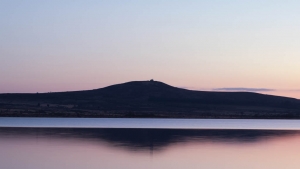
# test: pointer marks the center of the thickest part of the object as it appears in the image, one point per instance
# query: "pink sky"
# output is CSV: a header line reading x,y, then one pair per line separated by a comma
x,y
66,45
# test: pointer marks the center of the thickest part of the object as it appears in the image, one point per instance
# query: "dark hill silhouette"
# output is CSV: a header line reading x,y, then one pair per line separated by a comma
x,y
153,98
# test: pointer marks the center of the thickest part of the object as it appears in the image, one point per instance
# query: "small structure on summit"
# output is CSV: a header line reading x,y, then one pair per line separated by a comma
x,y
151,80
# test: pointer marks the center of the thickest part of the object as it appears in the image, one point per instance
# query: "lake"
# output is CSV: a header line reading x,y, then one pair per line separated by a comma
x,y
62,143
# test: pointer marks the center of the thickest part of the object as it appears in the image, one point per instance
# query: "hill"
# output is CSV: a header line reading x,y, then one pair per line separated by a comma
x,y
149,99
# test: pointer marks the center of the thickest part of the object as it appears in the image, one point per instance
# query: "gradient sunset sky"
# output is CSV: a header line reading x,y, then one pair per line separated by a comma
x,y
66,45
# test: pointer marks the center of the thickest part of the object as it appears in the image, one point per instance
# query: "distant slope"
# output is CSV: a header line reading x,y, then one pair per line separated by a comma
x,y
153,96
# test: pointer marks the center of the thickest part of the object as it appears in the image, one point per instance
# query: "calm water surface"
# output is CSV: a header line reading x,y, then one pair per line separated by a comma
x,y
151,123
113,147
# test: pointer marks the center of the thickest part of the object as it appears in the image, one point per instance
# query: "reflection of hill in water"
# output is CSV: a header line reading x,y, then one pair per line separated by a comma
x,y
144,139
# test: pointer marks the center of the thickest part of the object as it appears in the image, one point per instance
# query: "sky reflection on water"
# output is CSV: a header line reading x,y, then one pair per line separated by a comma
x,y
37,148
151,123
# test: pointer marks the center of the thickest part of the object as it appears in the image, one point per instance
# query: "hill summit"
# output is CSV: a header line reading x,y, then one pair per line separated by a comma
x,y
149,99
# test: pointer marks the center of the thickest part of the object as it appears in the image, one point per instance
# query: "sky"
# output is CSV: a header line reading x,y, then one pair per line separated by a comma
x,y
232,45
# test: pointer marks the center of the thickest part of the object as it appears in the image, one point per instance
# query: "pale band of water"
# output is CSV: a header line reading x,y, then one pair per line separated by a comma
x,y
150,123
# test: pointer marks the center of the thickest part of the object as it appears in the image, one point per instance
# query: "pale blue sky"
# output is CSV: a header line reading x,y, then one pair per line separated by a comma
x,y
63,45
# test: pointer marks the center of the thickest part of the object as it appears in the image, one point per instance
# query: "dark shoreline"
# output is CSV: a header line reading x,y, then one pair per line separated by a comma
x,y
219,115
